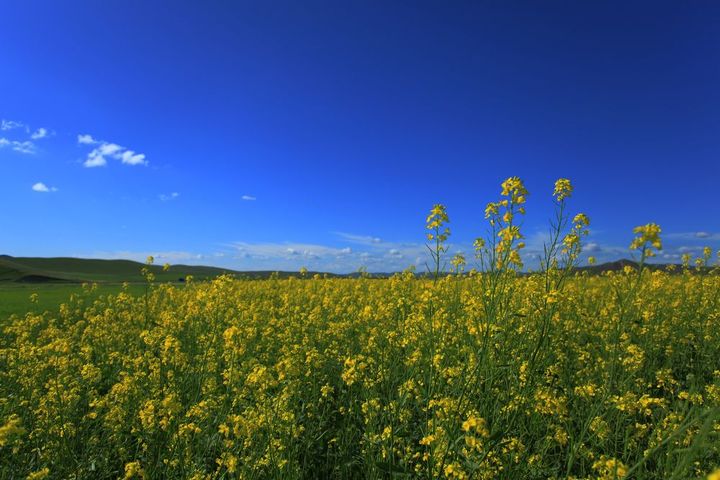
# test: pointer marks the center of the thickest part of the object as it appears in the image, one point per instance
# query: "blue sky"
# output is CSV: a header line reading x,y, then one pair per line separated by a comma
x,y
275,135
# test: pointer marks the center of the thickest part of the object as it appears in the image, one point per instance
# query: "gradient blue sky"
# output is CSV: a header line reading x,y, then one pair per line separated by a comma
x,y
272,135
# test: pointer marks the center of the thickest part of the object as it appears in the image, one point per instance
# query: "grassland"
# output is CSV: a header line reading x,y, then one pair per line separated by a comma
x,y
54,280
19,299
35,284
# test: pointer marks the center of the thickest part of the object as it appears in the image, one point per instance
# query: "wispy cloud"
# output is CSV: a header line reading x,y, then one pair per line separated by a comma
x,y
376,257
593,247
11,125
168,197
130,157
161,257
689,249
40,133
42,188
689,236
288,250
104,150
20,146
86,139
95,161
359,239
249,198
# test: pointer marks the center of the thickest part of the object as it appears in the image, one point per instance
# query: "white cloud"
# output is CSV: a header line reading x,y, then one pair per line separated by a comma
x,y
289,256
21,146
166,198
86,139
248,198
11,125
131,158
592,247
104,150
94,160
692,236
359,239
109,149
268,251
42,188
172,257
40,133
26,146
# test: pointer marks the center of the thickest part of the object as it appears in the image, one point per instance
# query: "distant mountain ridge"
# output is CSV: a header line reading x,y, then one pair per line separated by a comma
x,y
81,270
619,265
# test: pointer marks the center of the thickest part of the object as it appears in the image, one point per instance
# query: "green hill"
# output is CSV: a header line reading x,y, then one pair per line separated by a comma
x,y
78,270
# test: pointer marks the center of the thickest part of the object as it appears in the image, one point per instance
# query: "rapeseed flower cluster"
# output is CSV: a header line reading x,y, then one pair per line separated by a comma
x,y
647,239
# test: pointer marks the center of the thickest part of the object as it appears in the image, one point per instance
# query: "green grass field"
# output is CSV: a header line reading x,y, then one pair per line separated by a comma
x,y
54,280
15,298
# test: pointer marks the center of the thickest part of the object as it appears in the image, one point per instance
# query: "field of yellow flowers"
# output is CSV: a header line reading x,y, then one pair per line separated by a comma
x,y
480,374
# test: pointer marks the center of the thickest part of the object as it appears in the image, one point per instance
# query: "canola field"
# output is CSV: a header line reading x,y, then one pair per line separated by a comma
x,y
484,373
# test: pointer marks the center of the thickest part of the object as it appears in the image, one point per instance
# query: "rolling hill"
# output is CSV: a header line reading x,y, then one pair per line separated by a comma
x,y
79,270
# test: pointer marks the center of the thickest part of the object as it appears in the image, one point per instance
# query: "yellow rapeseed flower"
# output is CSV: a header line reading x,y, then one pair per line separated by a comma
x,y
39,475
134,470
563,189
647,234
11,430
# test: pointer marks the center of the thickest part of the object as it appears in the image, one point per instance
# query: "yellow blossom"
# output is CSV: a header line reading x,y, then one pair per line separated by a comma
x,y
563,189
